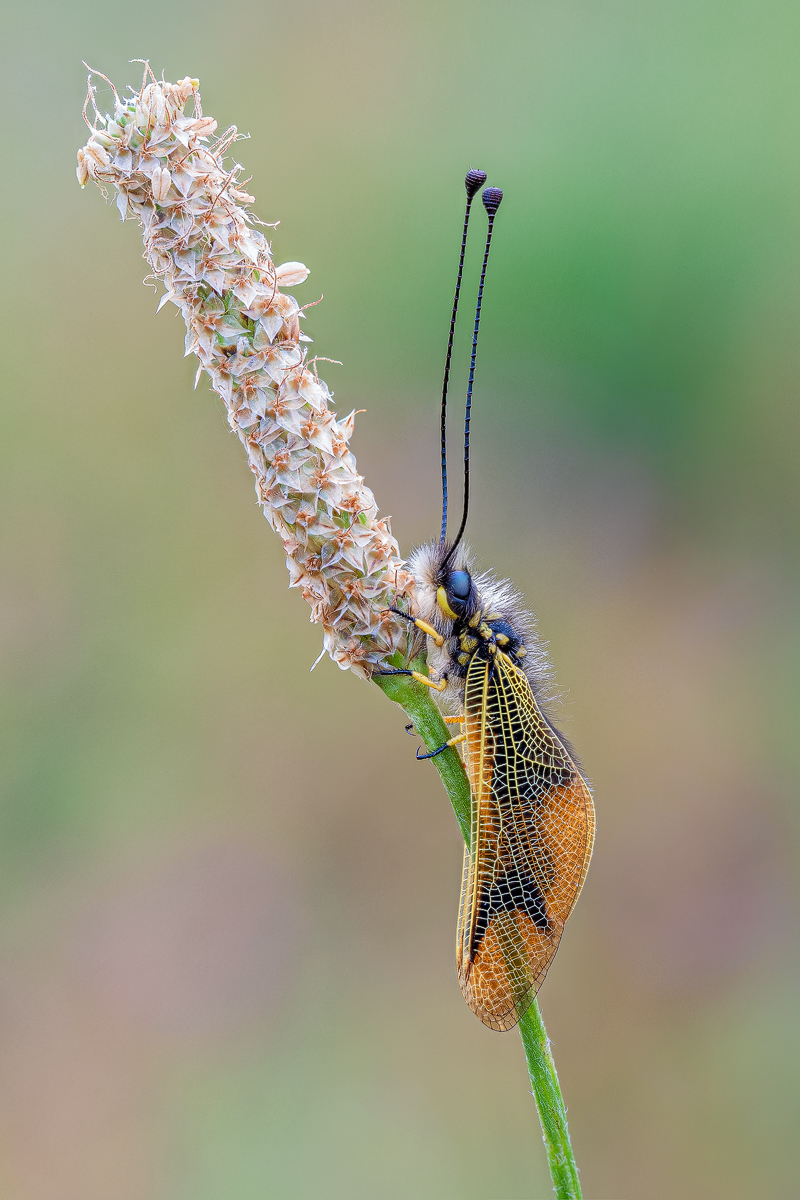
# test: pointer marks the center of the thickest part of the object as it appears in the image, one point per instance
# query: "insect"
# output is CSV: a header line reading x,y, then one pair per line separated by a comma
x,y
532,816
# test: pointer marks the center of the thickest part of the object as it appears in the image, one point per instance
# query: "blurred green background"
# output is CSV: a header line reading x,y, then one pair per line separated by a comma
x,y
227,891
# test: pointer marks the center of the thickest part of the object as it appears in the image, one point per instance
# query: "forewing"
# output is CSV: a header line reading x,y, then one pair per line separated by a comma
x,y
531,841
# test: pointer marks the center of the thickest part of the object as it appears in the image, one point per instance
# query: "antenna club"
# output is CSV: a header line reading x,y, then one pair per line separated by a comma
x,y
491,199
474,180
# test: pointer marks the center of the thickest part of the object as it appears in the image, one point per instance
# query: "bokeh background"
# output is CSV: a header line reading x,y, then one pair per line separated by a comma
x,y
227,890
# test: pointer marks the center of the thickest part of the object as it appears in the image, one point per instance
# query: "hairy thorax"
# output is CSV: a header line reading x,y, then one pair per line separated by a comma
x,y
477,615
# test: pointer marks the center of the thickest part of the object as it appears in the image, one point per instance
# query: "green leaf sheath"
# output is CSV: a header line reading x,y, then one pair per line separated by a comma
x,y
416,701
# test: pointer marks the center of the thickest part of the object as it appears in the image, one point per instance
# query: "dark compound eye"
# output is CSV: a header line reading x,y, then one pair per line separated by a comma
x,y
459,584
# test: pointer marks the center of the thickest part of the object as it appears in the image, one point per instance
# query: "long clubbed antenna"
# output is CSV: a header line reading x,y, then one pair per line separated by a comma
x,y
474,179
491,202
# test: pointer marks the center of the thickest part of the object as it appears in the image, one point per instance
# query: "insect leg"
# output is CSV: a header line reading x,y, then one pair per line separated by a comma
x,y
462,737
431,632
423,626
437,687
447,720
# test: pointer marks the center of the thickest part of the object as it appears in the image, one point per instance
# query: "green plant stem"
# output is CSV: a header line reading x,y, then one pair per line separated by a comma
x,y
416,701
550,1103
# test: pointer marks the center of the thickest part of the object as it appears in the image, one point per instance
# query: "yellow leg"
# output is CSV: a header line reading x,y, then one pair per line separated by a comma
x,y
454,720
423,626
462,737
420,678
431,632
437,687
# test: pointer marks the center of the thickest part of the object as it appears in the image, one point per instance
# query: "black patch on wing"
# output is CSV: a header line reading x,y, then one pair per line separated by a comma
x,y
512,891
522,774
532,779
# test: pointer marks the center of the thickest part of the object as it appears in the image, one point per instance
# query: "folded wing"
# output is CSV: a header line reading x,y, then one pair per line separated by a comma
x,y
531,841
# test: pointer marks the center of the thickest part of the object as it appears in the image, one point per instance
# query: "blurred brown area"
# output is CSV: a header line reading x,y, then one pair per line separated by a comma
x,y
228,892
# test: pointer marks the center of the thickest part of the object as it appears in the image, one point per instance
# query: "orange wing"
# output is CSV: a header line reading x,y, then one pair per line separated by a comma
x,y
530,845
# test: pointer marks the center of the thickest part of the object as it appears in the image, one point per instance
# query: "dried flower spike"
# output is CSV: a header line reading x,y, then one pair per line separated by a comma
x,y
200,241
